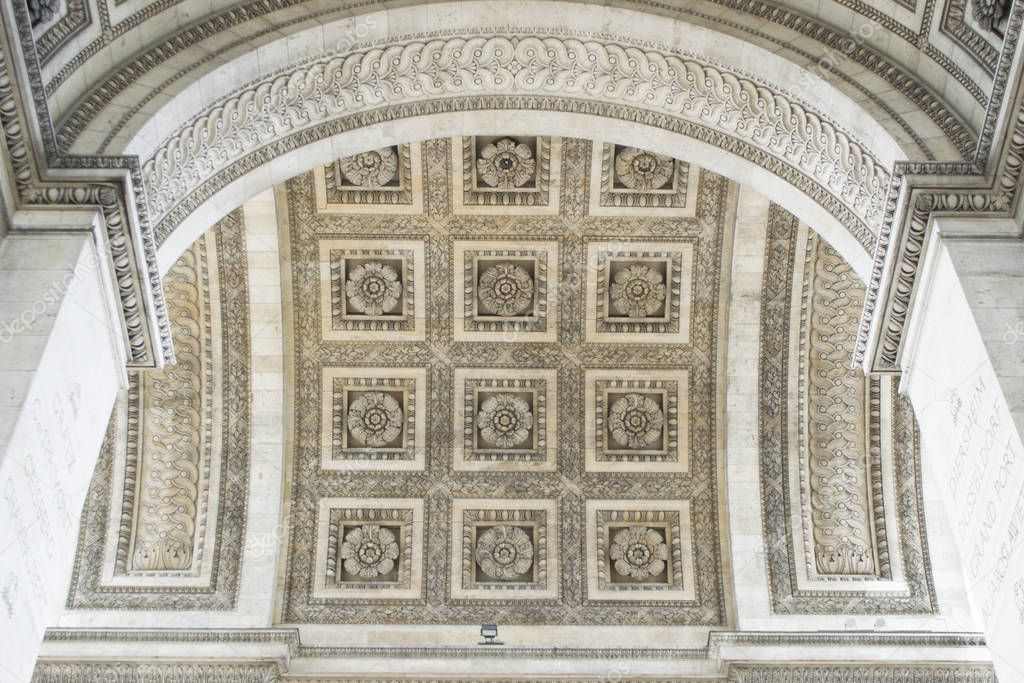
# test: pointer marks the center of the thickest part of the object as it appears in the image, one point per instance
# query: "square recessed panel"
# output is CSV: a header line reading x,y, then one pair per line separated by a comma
x,y
504,549
636,420
505,419
639,550
505,291
627,181
506,175
388,180
367,290
638,292
373,418
369,549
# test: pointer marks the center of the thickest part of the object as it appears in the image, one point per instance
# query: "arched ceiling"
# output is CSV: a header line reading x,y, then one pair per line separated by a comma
x,y
924,68
513,390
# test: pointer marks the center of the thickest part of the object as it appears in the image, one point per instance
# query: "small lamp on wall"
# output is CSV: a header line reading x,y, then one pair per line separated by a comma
x,y
489,633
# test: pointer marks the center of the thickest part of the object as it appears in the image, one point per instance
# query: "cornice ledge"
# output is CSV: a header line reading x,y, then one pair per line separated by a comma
x,y
989,186
41,178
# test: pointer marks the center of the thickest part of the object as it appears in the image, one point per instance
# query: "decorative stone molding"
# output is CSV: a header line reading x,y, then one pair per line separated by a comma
x,y
136,279
269,672
915,198
815,582
956,25
369,549
639,292
373,418
700,94
778,20
388,180
840,480
663,187
164,521
75,18
840,673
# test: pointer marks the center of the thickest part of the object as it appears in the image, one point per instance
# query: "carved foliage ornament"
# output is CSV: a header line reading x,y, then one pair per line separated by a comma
x,y
369,551
504,552
635,420
373,288
640,170
506,289
506,164
505,420
638,291
42,11
375,418
638,552
990,14
556,67
370,169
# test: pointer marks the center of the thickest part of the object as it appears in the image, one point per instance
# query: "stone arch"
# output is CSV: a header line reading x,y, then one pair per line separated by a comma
x,y
818,153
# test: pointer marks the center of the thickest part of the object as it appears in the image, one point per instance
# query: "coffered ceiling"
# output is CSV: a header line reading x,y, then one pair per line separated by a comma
x,y
505,398
504,363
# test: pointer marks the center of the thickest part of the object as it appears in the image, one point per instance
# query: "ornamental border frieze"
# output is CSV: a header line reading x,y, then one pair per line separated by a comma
x,y
780,554
901,81
270,672
679,86
89,589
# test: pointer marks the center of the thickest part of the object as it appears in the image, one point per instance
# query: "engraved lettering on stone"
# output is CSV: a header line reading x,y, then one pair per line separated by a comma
x,y
638,291
505,420
636,420
641,170
638,552
504,552
373,288
369,551
506,164
506,289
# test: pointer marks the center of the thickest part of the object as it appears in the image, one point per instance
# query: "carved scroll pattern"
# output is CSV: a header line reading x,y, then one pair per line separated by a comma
x,y
837,438
178,445
176,424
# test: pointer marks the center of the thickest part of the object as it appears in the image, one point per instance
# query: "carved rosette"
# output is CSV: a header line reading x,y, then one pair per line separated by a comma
x,y
370,169
506,164
375,418
638,291
373,288
641,170
636,420
505,420
638,552
369,551
506,289
504,552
